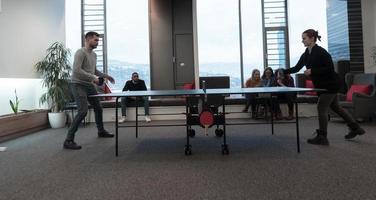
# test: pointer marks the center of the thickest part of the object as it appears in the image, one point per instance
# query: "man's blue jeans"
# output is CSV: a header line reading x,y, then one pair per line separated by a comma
x,y
126,100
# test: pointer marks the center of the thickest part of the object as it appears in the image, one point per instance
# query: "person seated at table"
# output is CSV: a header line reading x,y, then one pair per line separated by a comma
x,y
253,81
135,84
267,78
284,80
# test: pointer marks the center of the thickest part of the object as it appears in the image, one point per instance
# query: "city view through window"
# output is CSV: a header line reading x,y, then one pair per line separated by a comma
x,y
218,36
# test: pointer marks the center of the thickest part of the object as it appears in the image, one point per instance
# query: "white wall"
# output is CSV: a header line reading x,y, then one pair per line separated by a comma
x,y
27,28
369,33
28,92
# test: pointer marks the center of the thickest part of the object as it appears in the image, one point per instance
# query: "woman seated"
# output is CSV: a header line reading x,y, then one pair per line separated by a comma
x,y
267,78
284,80
253,81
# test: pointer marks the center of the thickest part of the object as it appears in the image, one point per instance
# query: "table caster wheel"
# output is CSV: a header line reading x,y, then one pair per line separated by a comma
x,y
225,150
188,151
219,132
191,133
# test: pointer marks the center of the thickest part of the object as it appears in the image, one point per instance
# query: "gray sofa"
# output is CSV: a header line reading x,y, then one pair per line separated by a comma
x,y
362,107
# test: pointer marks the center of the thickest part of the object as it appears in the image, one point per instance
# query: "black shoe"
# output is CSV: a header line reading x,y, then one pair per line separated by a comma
x,y
245,110
320,139
353,133
105,134
70,144
254,115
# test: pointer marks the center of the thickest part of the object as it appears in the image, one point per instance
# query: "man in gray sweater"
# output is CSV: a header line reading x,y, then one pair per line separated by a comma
x,y
85,75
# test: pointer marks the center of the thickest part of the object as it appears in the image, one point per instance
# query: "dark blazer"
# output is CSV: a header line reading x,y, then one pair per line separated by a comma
x,y
139,86
322,69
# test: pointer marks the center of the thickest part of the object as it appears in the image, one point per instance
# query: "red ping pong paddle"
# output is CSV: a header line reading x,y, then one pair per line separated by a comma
x,y
206,120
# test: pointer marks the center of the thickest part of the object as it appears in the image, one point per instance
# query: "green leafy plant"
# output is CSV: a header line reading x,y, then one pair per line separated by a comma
x,y
14,105
55,72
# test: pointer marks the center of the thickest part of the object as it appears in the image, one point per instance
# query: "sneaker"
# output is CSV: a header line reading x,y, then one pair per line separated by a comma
x,y
147,118
278,116
353,133
319,140
70,144
105,134
254,115
289,117
122,119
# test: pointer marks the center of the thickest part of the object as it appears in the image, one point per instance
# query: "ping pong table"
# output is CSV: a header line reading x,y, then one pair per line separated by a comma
x,y
203,93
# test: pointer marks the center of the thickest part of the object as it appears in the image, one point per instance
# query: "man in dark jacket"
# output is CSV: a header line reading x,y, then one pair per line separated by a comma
x,y
135,84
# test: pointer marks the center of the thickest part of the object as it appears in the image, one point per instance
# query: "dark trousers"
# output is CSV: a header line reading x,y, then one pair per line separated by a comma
x,y
330,100
251,101
289,98
125,101
80,94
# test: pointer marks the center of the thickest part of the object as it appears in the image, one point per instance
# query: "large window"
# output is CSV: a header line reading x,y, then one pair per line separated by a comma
x,y
301,20
275,30
73,26
338,30
128,40
218,39
127,37
218,36
252,37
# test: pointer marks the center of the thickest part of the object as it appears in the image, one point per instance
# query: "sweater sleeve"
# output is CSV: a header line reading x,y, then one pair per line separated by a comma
x,y
297,67
143,85
126,86
326,66
290,81
99,73
248,83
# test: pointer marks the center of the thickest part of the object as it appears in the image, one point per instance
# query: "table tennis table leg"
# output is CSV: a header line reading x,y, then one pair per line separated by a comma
x,y
297,127
136,120
188,147
225,150
116,127
272,112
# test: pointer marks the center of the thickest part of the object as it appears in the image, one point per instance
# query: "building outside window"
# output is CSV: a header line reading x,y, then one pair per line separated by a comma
x,y
338,30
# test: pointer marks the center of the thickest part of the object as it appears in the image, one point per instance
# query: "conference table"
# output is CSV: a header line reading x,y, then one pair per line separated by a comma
x,y
203,94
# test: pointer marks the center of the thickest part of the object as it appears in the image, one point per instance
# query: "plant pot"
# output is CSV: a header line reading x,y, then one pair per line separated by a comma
x,y
12,125
57,120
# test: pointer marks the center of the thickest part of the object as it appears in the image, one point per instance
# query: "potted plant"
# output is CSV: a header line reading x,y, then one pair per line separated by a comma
x,y
21,122
14,105
55,72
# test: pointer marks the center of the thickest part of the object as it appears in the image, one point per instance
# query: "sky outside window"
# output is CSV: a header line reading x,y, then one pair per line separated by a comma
x,y
218,39
128,40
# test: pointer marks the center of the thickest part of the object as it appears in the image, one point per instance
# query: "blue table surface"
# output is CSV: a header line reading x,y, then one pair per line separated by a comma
x,y
224,91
